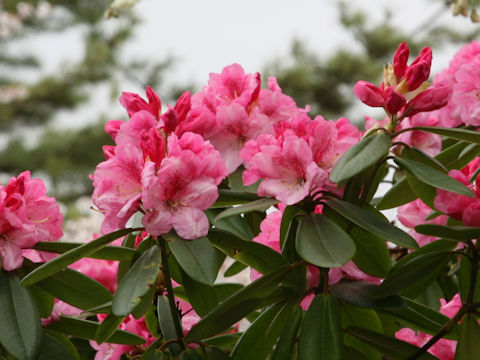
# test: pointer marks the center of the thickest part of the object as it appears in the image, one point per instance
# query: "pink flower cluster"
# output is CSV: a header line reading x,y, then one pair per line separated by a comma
x,y
463,75
461,207
404,86
171,179
443,349
296,160
27,216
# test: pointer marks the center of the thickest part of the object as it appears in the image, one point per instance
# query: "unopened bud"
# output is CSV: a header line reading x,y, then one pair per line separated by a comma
x,y
369,94
400,59
394,101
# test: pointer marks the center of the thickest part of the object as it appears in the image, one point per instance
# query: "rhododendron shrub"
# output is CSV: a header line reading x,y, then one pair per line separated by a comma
x,y
236,180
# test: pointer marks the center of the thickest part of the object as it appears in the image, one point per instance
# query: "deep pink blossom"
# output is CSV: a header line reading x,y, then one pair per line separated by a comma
x,y
133,103
27,216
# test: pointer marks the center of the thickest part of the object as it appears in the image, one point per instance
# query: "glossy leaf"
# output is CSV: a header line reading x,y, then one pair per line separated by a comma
x,y
200,260
261,204
285,344
108,252
361,156
372,222
467,348
422,157
423,190
234,224
136,283
86,329
76,289
433,177
359,293
372,255
108,326
454,133
240,304
20,330
458,233
57,347
400,193
392,348
322,242
407,274
58,263
321,334
43,300
260,337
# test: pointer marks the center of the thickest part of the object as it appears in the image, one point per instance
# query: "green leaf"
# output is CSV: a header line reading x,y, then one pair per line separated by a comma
x,y
107,328
457,233
286,342
43,300
57,347
20,330
289,214
167,322
366,318
229,198
423,318
392,348
359,293
235,268
372,255
190,354
464,275
321,334
76,289
423,191
243,302
433,177
235,182
235,224
202,297
261,204
136,283
86,329
214,353
260,337
255,255
124,265
57,264
145,303
322,242
419,156
225,342
200,260
108,252
454,133
404,275
399,194
361,156
467,348
372,222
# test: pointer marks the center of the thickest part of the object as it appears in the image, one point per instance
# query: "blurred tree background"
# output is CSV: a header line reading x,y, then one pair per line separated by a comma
x,y
66,157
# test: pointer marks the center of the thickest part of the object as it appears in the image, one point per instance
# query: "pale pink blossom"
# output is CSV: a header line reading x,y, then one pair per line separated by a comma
x,y
466,90
27,216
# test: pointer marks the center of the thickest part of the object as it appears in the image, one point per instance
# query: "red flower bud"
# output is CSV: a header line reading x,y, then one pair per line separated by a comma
x,y
394,101
369,94
400,60
417,74
431,99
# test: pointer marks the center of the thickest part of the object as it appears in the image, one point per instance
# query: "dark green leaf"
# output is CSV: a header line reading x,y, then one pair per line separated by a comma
x,y
321,334
257,342
372,222
366,318
258,256
235,182
136,283
76,289
57,264
464,275
43,300
151,321
200,260
458,233
86,329
423,191
225,342
286,343
57,347
107,328
202,297
124,265
145,303
190,354
359,293
361,156
419,156
108,252
454,133
20,330
260,292
423,318
322,242
235,224
392,348
235,268
399,194
433,177
372,255
261,204
228,198
467,348
402,276
288,215
214,353
167,322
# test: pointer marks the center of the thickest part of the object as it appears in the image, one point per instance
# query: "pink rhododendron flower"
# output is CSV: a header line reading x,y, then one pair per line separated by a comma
x,y
133,103
27,216
296,160
443,349
465,92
